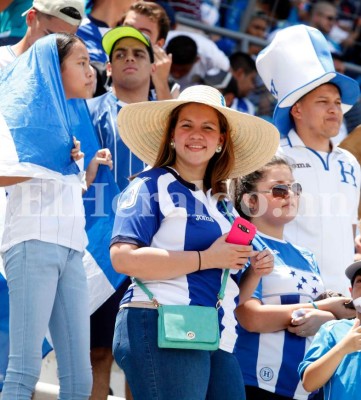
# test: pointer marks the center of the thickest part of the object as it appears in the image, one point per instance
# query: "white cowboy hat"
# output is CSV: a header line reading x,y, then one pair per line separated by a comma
x,y
142,126
297,61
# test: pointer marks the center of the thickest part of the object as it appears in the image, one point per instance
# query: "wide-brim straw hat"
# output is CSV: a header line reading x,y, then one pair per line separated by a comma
x,y
142,126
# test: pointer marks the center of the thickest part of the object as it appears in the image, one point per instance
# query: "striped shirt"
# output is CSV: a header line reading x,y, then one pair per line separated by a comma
x,y
159,209
104,111
270,360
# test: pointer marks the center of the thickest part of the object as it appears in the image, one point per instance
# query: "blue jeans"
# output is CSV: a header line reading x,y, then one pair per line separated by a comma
x,y
47,287
163,374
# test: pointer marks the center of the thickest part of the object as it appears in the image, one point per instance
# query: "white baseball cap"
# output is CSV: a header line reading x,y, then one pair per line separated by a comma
x,y
70,11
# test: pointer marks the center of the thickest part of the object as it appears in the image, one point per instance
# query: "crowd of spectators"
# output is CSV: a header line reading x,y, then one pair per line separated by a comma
x,y
174,57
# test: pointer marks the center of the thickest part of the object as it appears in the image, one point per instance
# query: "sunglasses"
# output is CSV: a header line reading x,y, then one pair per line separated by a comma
x,y
281,190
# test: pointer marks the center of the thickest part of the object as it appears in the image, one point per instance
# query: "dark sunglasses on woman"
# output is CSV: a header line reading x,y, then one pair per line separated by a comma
x,y
282,190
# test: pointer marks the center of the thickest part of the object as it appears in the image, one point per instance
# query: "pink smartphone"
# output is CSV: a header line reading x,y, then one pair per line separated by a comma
x,y
242,232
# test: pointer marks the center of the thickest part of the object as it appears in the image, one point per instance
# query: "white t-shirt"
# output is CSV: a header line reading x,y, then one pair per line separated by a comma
x,y
48,210
328,207
6,56
2,219
210,56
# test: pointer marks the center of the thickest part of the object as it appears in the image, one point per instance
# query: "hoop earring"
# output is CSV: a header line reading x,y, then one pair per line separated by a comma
x,y
172,144
218,148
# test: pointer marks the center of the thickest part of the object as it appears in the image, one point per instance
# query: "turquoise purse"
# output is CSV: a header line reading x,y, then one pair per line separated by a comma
x,y
186,326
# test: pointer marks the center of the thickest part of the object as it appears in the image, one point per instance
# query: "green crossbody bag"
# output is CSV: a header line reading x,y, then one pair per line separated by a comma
x,y
186,326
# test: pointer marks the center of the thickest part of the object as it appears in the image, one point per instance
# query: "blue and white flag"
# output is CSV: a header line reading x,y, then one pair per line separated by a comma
x,y
100,207
35,131
36,139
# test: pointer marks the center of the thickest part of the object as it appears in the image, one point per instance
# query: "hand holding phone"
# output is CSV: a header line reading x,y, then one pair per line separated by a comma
x,y
242,232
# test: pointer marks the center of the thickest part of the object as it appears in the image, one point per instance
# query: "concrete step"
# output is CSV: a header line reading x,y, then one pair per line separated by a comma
x,y
48,391
48,385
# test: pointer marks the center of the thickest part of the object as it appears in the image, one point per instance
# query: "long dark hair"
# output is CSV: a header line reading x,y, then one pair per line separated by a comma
x,y
247,184
64,43
219,166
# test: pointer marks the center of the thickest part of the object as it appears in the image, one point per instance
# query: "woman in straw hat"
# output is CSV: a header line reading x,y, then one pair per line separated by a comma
x,y
170,234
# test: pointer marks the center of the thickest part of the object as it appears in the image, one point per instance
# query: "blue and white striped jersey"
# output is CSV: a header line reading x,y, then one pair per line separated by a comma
x,y
92,31
159,209
270,360
103,112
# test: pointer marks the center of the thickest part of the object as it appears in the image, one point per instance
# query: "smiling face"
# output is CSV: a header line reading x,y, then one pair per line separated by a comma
x,y
76,73
196,137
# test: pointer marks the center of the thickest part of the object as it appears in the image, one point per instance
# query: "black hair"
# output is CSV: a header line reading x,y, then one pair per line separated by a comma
x,y
183,49
259,15
232,87
247,184
279,9
64,43
71,12
242,60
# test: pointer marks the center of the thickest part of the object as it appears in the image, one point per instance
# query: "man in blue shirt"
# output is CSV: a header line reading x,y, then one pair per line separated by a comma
x,y
334,360
130,65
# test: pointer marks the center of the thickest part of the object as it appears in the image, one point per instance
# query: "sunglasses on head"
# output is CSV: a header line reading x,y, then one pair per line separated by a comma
x,y
282,190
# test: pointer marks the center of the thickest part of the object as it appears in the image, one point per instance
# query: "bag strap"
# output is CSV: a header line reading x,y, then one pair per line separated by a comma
x,y
145,289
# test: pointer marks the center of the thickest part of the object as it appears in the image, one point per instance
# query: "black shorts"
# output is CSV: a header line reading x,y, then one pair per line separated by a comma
x,y
102,321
